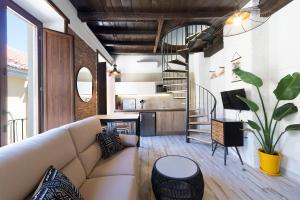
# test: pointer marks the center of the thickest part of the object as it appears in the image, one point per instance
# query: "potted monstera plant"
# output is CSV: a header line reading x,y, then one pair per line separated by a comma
x,y
264,127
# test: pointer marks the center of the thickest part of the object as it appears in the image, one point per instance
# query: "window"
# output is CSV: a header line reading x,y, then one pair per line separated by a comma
x,y
23,64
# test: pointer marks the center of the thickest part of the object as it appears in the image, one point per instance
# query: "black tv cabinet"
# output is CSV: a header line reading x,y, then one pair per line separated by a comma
x,y
227,133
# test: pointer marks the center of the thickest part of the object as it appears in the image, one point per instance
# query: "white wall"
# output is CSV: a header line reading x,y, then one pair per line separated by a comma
x,y
284,59
270,51
52,20
44,12
81,29
139,63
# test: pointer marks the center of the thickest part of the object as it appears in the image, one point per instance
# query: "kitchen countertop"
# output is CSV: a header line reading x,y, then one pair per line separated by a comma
x,y
119,116
153,110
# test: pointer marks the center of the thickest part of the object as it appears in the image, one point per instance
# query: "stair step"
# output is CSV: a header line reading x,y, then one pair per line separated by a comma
x,y
178,62
183,52
197,116
193,110
176,70
174,84
177,91
174,78
179,97
204,140
192,36
199,123
198,131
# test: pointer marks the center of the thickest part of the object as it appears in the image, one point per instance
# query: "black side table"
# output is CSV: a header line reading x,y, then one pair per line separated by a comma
x,y
227,133
177,177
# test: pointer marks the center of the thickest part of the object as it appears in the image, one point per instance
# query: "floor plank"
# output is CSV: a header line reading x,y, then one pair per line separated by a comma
x,y
231,182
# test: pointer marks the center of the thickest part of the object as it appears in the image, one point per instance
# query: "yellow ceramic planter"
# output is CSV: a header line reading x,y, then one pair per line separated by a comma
x,y
269,164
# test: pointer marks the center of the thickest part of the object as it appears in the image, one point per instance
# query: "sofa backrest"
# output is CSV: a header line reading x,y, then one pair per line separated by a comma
x,y
84,133
23,165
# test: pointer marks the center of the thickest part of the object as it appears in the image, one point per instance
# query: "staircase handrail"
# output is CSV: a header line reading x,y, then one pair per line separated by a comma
x,y
215,99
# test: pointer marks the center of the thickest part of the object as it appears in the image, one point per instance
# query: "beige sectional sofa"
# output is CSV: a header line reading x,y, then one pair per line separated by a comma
x,y
73,149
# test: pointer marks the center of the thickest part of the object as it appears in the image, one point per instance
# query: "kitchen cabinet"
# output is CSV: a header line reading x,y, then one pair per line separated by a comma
x,y
135,88
172,122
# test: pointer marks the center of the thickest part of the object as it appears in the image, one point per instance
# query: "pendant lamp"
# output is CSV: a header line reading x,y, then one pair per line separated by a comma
x,y
115,72
243,20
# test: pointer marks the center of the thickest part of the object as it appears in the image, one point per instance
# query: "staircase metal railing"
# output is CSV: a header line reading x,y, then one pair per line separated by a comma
x,y
202,110
175,49
207,101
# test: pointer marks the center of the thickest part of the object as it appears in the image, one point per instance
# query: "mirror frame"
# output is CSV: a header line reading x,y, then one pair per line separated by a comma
x,y
77,84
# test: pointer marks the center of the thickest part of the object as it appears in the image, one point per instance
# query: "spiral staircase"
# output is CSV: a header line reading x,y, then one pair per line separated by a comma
x,y
200,103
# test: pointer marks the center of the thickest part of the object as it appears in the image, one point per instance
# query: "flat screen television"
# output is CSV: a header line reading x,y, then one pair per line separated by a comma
x,y
230,100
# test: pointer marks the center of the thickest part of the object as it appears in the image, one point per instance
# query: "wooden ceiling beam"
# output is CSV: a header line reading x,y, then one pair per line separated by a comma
x,y
158,35
124,16
124,32
269,7
130,52
126,43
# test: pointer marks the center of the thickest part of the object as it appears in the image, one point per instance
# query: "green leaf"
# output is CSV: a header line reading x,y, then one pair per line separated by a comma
x,y
254,125
296,83
248,77
288,87
284,110
293,127
252,105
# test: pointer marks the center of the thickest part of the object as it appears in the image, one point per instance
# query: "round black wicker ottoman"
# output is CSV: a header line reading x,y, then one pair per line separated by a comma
x,y
177,178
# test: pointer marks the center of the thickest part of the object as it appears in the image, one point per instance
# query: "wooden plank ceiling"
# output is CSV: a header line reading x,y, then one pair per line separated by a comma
x,y
136,26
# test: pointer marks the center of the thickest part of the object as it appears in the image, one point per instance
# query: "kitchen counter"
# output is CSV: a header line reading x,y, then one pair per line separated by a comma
x,y
119,116
169,121
153,110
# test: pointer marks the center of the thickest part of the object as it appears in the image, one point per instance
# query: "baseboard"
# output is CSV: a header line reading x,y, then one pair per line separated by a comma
x,y
290,175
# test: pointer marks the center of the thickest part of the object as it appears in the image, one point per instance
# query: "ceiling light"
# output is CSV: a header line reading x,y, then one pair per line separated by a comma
x,y
115,72
243,20
237,18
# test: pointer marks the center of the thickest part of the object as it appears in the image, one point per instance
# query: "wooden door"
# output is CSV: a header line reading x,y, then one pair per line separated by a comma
x,y
58,84
101,88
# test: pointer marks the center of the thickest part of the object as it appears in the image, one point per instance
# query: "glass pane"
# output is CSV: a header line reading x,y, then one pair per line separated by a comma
x,y
22,81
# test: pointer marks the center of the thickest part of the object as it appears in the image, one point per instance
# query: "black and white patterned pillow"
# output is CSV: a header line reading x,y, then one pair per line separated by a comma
x,y
56,186
109,143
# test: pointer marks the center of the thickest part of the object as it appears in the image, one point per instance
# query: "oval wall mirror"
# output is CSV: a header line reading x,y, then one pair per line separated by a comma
x,y
85,84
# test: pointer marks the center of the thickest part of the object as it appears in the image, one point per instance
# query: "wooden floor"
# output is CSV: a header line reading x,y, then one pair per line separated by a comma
x,y
221,182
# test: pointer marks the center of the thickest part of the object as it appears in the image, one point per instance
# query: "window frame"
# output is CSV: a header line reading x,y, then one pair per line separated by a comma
x,y
4,4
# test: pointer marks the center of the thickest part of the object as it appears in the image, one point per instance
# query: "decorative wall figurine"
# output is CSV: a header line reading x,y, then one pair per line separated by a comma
x,y
212,75
220,71
236,63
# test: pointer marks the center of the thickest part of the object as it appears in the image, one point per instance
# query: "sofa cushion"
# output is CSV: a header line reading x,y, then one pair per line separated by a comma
x,y
22,165
55,185
84,132
129,140
124,162
75,172
90,157
110,188
109,144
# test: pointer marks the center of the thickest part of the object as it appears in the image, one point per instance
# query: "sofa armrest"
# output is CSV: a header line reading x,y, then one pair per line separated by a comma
x,y
129,140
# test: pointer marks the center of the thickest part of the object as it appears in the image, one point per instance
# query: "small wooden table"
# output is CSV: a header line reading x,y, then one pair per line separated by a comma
x,y
227,133
132,117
